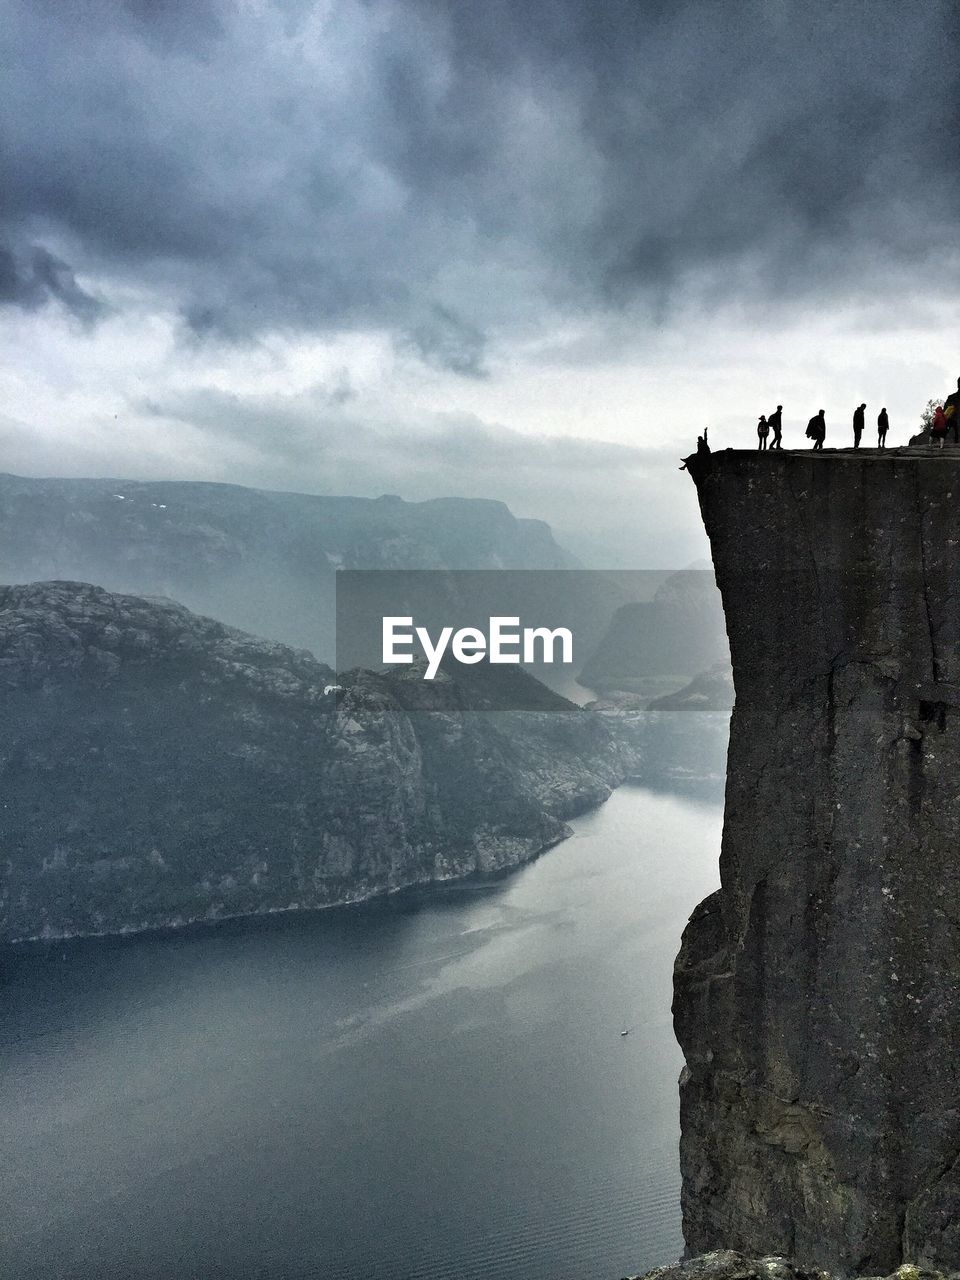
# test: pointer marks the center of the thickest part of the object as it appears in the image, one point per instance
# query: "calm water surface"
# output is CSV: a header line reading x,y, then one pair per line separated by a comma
x,y
434,1085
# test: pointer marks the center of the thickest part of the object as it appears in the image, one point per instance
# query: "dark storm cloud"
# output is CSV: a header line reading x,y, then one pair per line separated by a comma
x,y
31,279
447,169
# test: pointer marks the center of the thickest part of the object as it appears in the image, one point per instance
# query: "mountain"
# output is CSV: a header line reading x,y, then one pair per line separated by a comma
x,y
256,559
709,691
817,993
654,644
157,767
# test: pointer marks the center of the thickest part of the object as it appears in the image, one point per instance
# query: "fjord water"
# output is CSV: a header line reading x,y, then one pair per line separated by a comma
x,y
430,1085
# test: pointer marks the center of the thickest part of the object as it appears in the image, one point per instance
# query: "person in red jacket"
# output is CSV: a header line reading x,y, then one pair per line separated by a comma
x,y
938,428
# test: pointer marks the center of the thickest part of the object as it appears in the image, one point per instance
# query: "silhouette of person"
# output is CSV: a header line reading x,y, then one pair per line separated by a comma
x,y
703,448
774,422
858,424
762,432
883,426
951,411
817,429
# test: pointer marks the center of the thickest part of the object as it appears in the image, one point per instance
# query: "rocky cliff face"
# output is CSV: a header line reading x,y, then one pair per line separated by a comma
x,y
818,992
158,767
726,1265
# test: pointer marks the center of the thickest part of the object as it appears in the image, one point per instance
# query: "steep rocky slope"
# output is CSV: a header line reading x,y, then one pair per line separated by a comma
x,y
158,767
818,992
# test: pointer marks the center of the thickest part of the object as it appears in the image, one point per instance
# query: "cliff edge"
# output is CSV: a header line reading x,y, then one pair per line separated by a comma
x,y
817,993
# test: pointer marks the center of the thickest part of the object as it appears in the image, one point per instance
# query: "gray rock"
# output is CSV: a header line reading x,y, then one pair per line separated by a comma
x,y
817,994
724,1264
157,767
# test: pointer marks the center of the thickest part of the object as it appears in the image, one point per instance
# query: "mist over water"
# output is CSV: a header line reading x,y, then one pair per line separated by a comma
x,y
430,1085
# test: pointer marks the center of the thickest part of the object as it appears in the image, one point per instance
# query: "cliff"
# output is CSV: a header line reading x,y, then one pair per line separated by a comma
x,y
157,767
817,994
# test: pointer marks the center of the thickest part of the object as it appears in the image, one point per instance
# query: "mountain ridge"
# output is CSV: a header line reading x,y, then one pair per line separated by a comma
x,y
159,768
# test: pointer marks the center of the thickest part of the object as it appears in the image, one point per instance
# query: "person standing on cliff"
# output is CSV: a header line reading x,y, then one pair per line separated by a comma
x,y
951,411
939,426
817,429
858,421
762,432
883,426
775,423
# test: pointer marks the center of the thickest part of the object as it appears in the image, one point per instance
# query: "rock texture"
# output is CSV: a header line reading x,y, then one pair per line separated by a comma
x,y
724,1264
817,994
157,767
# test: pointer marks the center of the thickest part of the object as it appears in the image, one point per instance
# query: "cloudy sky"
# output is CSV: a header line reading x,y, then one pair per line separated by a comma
x,y
521,249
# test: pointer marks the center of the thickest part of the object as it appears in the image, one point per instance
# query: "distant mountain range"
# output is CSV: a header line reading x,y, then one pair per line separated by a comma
x,y
256,559
267,562
158,765
655,646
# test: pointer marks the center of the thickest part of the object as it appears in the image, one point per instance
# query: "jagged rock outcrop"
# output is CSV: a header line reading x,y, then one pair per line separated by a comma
x,y
157,767
817,994
724,1264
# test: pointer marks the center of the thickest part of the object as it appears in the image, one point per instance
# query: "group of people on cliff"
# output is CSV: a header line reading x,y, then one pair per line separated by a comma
x,y
943,419
817,428
946,418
